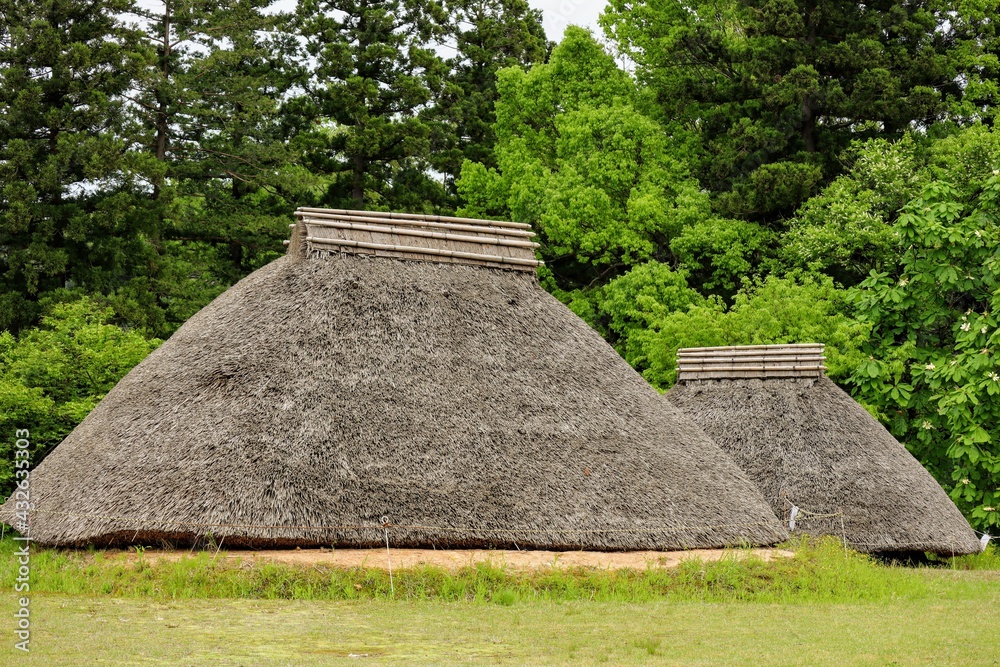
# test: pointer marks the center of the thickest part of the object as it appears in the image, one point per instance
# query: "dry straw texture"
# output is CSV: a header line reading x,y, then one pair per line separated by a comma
x,y
806,443
326,390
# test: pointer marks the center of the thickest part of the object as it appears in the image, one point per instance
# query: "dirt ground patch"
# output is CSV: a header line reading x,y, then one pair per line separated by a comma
x,y
454,559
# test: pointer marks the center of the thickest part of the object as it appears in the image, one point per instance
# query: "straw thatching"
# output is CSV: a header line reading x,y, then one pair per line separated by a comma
x,y
808,444
330,393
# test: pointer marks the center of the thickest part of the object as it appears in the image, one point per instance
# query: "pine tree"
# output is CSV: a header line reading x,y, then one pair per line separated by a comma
x,y
73,201
778,88
211,105
373,72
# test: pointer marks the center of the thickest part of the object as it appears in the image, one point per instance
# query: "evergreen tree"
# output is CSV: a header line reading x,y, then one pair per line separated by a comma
x,y
778,88
374,73
487,36
73,205
211,105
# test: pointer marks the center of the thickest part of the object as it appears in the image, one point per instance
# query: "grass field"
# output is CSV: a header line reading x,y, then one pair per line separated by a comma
x,y
820,608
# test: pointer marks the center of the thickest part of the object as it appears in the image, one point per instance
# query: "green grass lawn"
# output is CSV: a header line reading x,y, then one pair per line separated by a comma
x,y
823,607
78,630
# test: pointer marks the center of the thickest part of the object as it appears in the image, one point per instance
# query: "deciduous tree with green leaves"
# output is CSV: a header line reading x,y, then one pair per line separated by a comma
x,y
794,309
933,368
52,376
598,180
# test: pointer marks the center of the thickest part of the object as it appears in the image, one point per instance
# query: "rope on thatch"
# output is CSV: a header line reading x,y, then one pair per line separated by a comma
x,y
750,361
411,236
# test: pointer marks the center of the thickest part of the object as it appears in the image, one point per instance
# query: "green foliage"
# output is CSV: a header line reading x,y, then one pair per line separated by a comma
x,y
632,303
975,53
371,70
846,230
210,109
779,88
776,310
72,207
488,35
932,372
719,254
964,158
52,376
596,178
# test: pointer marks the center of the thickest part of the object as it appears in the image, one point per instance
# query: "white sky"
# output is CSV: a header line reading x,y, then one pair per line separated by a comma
x,y
557,14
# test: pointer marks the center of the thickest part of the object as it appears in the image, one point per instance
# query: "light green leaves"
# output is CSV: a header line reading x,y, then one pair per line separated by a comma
x,y
935,311
599,181
53,375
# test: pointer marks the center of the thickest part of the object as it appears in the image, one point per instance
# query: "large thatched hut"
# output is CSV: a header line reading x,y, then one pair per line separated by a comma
x,y
818,457
392,376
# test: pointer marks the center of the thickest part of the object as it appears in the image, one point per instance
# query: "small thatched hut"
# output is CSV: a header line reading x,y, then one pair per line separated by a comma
x,y
400,376
809,445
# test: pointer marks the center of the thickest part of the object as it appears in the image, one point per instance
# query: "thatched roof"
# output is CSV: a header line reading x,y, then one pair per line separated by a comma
x,y
328,390
808,444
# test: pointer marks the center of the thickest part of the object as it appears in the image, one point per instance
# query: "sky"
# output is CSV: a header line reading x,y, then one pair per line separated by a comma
x,y
557,14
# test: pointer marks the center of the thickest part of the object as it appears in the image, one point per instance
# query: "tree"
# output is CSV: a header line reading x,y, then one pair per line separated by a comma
x,y
600,182
775,310
73,201
52,376
849,229
933,369
977,58
373,71
778,88
211,106
633,303
488,35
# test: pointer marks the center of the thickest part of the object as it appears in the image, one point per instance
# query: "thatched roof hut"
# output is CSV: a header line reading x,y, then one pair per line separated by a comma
x,y
807,444
405,370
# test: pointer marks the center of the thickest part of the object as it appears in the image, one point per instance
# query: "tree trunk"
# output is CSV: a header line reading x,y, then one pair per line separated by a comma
x,y
162,110
808,130
358,182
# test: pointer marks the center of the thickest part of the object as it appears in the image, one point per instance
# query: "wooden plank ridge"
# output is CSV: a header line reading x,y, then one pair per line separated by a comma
x,y
756,349
404,231
751,361
414,217
411,236
318,218
743,354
